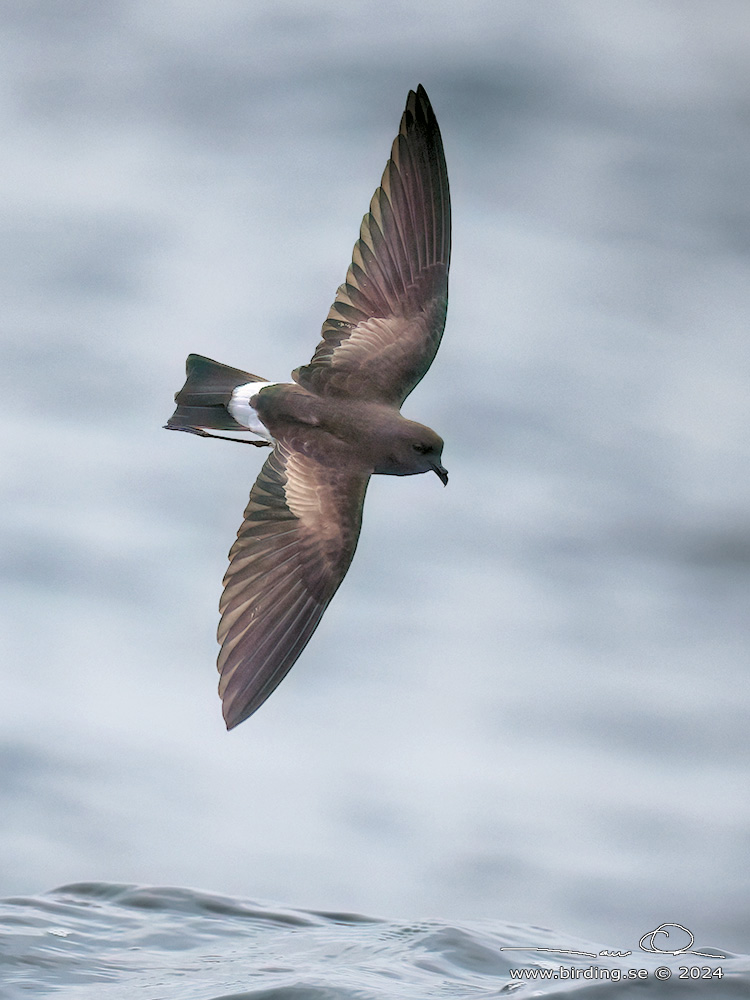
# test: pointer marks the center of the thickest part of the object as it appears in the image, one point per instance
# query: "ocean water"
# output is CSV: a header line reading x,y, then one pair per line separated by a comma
x,y
528,705
103,940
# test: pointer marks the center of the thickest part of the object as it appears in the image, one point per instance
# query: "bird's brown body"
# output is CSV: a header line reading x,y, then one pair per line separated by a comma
x,y
361,434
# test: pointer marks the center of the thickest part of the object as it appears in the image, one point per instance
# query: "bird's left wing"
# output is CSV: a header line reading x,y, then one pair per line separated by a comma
x,y
292,551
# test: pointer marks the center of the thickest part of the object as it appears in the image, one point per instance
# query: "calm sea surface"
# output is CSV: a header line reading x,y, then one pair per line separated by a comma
x,y
528,705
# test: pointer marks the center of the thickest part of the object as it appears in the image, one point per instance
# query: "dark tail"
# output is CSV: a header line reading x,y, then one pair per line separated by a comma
x,y
202,401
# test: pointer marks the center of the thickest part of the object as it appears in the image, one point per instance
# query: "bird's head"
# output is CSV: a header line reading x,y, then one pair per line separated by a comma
x,y
412,449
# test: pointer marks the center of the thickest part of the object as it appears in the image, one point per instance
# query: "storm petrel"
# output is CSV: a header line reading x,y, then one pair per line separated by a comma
x,y
335,425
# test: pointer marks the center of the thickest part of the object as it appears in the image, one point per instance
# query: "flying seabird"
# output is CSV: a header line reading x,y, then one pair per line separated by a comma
x,y
335,425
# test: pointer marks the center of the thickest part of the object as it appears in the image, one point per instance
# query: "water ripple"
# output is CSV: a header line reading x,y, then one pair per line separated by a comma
x,y
108,940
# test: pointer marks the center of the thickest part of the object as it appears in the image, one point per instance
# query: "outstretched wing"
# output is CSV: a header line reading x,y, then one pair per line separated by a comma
x,y
386,322
294,547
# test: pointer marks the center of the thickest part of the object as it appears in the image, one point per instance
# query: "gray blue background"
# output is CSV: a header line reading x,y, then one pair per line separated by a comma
x,y
529,700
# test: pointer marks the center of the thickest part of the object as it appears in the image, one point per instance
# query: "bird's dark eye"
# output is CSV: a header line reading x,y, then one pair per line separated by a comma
x,y
421,448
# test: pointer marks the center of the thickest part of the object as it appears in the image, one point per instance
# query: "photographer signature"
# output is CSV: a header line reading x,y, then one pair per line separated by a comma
x,y
647,943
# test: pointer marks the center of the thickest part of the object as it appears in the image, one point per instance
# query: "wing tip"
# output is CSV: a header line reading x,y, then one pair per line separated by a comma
x,y
231,723
419,107
234,715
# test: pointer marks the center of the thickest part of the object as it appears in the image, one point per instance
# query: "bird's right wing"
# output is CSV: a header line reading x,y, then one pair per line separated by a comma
x,y
292,551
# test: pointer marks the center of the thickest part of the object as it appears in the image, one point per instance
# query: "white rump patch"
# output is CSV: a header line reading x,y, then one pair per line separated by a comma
x,y
240,408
